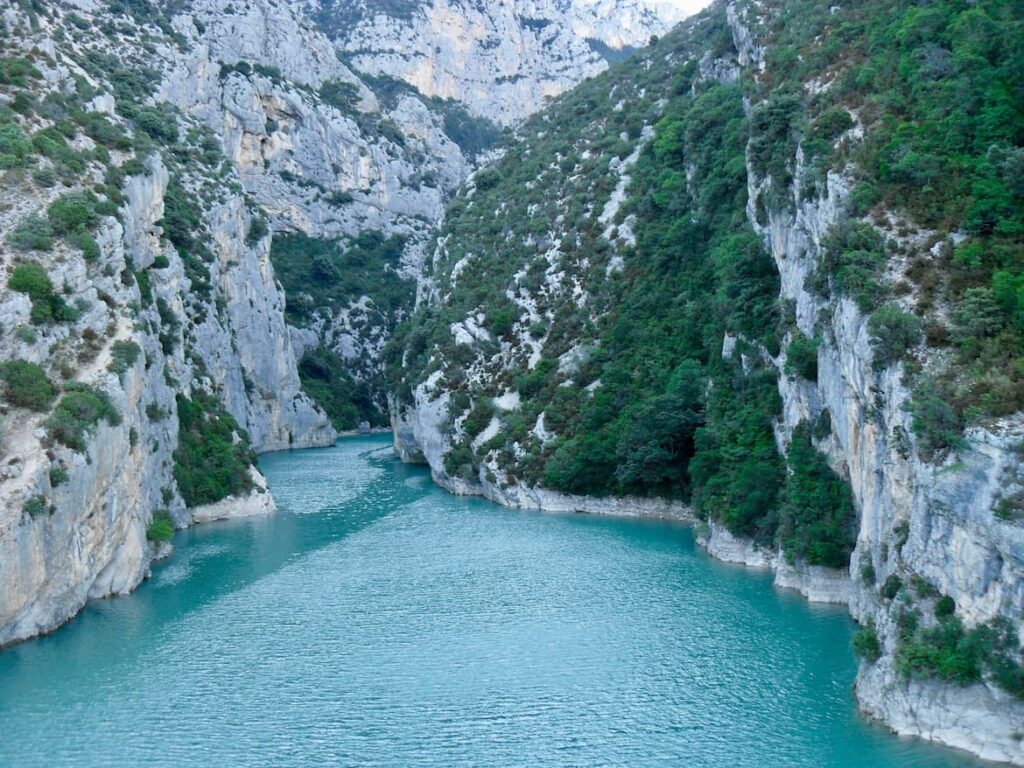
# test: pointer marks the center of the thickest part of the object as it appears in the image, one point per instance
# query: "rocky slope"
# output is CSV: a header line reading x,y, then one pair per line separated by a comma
x,y
786,390
502,60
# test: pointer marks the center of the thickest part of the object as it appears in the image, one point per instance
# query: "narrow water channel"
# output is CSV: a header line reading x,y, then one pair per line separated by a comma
x,y
377,621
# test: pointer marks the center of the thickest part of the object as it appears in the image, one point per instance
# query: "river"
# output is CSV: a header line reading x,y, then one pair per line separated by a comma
x,y
377,621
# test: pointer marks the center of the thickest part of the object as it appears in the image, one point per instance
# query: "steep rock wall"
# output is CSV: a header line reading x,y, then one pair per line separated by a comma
x,y
73,525
500,59
916,518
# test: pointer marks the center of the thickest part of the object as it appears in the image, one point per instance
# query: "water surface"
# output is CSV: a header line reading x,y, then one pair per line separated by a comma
x,y
377,621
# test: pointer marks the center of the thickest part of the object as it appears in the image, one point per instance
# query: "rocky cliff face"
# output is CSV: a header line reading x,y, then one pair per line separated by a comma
x,y
502,60
928,528
917,519
143,329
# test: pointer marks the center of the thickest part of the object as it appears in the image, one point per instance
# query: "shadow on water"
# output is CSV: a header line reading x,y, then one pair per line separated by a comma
x,y
213,560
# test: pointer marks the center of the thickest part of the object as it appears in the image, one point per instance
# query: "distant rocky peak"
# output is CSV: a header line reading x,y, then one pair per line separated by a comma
x,y
502,60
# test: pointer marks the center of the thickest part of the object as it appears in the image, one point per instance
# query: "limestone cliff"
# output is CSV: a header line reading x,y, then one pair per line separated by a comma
x,y
143,324
503,60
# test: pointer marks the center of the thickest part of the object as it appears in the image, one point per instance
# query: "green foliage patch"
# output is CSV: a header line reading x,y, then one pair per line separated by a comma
x,y
953,654
123,355
213,457
161,527
817,519
26,385
326,379
79,411
31,279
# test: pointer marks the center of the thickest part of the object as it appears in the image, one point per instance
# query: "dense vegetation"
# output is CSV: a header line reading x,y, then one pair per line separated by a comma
x,y
326,379
47,306
213,457
936,86
630,381
946,650
26,385
360,279
610,324
161,527
642,338
327,276
79,411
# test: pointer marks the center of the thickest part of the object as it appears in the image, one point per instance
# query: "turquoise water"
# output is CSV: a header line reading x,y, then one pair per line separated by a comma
x,y
377,621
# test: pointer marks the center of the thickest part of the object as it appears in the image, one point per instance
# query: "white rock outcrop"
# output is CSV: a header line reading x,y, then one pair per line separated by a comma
x,y
502,60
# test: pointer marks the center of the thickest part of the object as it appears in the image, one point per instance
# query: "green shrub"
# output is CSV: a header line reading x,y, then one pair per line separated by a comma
x,y
832,123
978,316
500,319
58,475
18,71
86,242
892,587
77,414
773,137
326,378
937,424
123,355
816,519
341,95
161,527
155,413
74,212
36,506
100,129
866,644
388,129
822,425
241,67
27,334
478,419
159,124
15,148
213,457
487,178
867,574
32,234
852,258
893,334
944,607
802,357
258,229
44,177
461,463
26,385
945,652
31,279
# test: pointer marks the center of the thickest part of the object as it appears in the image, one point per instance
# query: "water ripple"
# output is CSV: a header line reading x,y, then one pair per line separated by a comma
x,y
376,621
